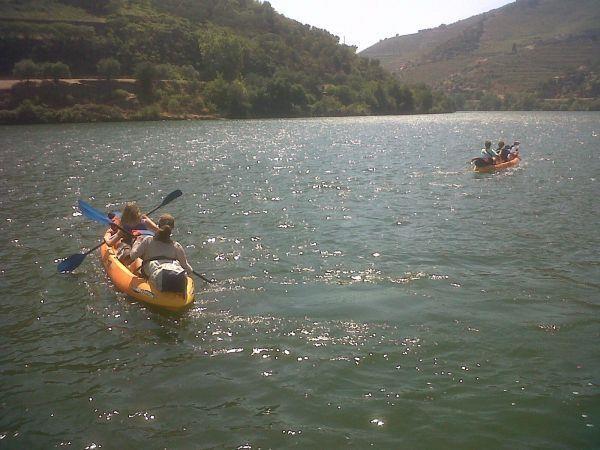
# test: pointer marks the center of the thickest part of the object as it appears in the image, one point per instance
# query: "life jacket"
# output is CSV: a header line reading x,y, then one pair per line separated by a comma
x,y
165,274
129,238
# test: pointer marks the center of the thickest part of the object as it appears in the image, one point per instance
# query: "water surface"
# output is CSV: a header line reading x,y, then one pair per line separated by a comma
x,y
371,289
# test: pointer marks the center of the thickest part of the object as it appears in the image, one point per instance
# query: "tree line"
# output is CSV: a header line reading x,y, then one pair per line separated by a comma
x,y
231,58
578,90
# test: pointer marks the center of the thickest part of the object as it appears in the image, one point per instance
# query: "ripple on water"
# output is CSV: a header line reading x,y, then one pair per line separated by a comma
x,y
366,294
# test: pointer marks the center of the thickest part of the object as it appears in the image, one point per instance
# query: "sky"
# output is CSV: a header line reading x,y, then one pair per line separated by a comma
x,y
365,22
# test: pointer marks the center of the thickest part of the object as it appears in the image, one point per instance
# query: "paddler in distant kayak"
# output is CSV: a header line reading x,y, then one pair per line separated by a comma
x,y
500,148
514,151
489,154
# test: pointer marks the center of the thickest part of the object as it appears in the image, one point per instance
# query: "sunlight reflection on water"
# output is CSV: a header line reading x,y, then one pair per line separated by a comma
x,y
368,285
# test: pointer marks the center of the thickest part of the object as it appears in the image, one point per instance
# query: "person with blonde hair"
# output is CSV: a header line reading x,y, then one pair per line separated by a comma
x,y
131,221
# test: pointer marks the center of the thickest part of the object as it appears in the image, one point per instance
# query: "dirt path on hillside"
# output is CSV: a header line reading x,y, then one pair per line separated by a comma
x,y
8,84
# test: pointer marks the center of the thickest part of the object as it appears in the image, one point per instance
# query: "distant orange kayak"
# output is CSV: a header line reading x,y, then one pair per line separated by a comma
x,y
126,280
495,167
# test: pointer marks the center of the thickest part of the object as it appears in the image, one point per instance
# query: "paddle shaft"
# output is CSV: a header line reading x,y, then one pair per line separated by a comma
x,y
100,244
203,277
155,209
168,199
94,249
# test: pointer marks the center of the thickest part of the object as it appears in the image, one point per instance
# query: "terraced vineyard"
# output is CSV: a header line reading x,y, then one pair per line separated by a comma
x,y
515,48
44,11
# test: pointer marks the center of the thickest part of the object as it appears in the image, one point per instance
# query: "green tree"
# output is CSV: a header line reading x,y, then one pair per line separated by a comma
x,y
423,98
166,71
403,98
511,101
383,102
189,73
529,102
327,106
223,53
239,104
442,103
56,70
216,92
459,101
344,93
490,102
109,68
26,69
230,99
146,74
286,97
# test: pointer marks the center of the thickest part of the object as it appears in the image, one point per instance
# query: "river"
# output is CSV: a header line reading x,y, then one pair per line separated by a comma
x,y
371,291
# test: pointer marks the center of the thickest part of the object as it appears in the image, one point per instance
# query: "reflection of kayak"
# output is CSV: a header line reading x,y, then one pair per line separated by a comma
x,y
137,287
495,167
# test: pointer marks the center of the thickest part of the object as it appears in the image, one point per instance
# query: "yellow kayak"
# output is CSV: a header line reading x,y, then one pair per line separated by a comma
x,y
127,280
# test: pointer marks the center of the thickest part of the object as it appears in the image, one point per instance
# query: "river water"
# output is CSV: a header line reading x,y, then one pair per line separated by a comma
x,y
371,291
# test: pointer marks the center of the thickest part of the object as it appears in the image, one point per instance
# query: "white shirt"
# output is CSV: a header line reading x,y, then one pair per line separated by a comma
x,y
148,247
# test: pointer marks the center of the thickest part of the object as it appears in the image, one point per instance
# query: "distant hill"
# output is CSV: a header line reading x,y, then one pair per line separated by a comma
x,y
547,47
191,58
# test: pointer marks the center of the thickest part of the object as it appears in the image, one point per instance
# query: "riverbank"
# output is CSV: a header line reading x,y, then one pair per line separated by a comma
x,y
95,100
128,99
80,100
30,113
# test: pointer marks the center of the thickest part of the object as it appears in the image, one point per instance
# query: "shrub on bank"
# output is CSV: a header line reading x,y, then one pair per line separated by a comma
x,y
26,69
90,112
30,112
8,116
150,112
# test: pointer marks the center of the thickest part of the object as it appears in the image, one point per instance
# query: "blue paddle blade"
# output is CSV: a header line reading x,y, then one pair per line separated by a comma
x,y
91,213
71,263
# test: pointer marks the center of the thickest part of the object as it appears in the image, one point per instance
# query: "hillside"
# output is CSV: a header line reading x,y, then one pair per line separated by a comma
x,y
190,58
547,47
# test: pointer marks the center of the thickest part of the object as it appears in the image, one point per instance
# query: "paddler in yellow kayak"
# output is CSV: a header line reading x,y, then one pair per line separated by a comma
x,y
131,219
165,263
